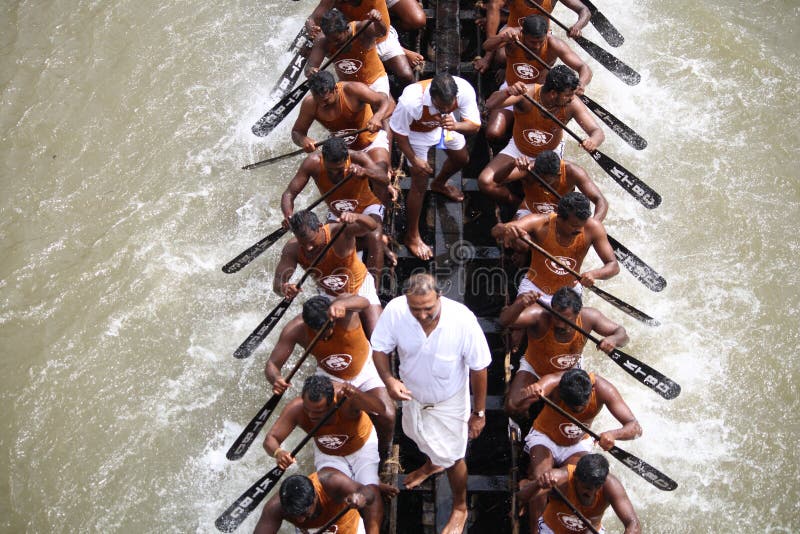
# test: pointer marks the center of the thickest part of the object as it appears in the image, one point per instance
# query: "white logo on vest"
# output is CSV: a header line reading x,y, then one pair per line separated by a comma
x,y
349,66
347,135
537,137
554,267
332,441
344,204
565,361
335,282
571,522
570,430
337,362
544,207
525,71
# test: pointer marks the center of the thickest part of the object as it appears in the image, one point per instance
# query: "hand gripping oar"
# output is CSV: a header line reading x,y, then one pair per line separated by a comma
x,y
245,439
262,330
273,117
617,126
629,182
300,150
603,25
237,512
606,59
247,256
614,301
575,510
639,269
640,467
333,520
638,370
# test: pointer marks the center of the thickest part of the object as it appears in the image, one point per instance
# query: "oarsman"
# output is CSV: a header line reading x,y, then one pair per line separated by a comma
x,y
441,350
309,502
562,175
328,169
554,440
342,108
423,118
339,271
567,234
534,132
343,354
553,345
347,441
522,67
590,488
360,61
396,59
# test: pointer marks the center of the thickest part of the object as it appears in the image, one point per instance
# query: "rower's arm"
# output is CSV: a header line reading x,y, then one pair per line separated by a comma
x,y
286,266
583,117
290,336
358,401
271,517
583,16
618,498
372,171
382,105
602,247
571,60
614,335
358,225
296,185
630,429
365,498
276,435
493,17
519,313
502,98
316,55
587,186
303,123
379,26
506,36
316,16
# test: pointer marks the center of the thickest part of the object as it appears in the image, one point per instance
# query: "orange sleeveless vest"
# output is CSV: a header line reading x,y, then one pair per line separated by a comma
x,y
544,273
521,68
359,12
358,64
354,196
534,132
560,517
348,121
344,354
334,274
519,9
548,355
341,435
428,121
347,524
538,199
563,432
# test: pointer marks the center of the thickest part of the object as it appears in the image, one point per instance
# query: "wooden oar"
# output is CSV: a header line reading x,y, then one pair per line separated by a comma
x,y
324,528
640,371
574,510
273,117
300,150
614,301
639,269
638,466
604,26
262,330
629,182
617,126
237,512
606,59
245,439
247,256
292,72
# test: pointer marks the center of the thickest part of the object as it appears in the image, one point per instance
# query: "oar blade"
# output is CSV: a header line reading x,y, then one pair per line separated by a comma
x,y
292,73
638,268
261,332
264,126
639,190
250,432
237,512
644,470
624,306
610,62
243,259
605,28
645,374
625,132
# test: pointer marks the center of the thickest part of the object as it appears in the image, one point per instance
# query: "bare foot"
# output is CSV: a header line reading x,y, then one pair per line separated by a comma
x,y
450,191
418,476
388,491
455,525
413,58
418,248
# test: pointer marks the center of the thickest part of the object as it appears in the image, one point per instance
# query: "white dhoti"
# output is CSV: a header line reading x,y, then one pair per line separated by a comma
x,y
439,429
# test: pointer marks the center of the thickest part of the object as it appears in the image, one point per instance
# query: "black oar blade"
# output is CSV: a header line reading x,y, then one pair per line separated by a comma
x,y
644,470
638,268
293,71
645,374
624,306
261,332
264,126
633,185
610,62
267,161
243,259
606,29
247,502
248,435
625,132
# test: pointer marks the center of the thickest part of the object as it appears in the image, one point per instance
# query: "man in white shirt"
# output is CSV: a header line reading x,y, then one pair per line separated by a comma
x,y
442,350
424,118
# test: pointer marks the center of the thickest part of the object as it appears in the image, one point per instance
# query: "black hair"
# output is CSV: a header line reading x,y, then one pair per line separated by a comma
x,y
321,82
575,387
547,163
567,298
297,495
444,88
592,469
560,78
334,150
333,22
318,387
304,222
535,26
315,311
574,203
